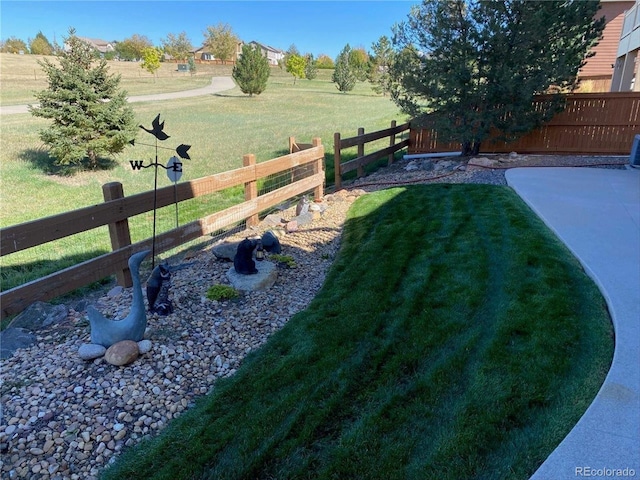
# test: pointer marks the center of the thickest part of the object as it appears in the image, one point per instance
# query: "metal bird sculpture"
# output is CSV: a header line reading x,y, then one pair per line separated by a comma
x,y
157,129
105,331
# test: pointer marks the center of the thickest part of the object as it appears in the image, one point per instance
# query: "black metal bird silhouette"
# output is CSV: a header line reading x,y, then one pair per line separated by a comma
x,y
182,150
157,130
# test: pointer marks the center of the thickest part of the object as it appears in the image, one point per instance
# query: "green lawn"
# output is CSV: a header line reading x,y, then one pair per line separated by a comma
x,y
220,128
454,338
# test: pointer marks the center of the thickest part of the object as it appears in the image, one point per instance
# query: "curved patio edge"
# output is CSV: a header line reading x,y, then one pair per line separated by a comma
x,y
596,214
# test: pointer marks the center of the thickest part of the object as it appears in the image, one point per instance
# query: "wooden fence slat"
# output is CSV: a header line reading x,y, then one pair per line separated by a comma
x,y
302,157
372,157
370,137
37,232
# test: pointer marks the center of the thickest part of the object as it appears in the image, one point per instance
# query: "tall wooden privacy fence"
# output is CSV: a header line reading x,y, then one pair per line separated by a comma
x,y
590,124
360,141
117,209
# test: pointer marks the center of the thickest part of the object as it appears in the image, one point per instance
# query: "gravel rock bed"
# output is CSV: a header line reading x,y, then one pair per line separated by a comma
x,y
65,418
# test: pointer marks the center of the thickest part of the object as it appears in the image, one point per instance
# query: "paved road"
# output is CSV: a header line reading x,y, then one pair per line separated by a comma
x,y
218,84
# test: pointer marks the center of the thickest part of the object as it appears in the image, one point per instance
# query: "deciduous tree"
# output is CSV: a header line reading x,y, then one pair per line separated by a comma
x,y
178,46
131,48
251,71
89,113
325,62
474,66
295,65
40,45
151,60
14,45
221,42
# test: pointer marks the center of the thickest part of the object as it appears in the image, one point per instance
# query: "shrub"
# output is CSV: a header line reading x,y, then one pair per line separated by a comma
x,y
222,292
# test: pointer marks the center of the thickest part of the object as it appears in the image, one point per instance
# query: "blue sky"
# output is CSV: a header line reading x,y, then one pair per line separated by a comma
x,y
313,26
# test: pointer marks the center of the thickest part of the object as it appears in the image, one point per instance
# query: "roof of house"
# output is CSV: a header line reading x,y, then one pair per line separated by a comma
x,y
99,44
266,47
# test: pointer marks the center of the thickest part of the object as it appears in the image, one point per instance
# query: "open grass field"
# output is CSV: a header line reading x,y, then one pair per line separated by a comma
x,y
454,338
21,76
220,128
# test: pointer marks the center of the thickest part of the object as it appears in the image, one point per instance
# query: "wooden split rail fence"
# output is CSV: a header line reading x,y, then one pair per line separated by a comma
x,y
117,209
359,141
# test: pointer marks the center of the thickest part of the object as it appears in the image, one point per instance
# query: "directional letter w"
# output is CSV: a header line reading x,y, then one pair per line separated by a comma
x,y
136,164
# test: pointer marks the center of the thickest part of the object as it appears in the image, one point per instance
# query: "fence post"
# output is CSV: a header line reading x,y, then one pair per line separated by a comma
x,y
251,189
360,152
392,142
336,161
118,231
318,168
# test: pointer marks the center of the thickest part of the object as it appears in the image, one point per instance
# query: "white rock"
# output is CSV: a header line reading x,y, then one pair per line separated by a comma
x,y
144,346
90,351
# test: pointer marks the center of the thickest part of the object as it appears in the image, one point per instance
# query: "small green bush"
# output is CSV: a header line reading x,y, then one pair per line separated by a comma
x,y
285,260
222,292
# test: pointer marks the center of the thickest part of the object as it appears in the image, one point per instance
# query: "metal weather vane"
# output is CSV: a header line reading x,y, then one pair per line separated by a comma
x,y
173,168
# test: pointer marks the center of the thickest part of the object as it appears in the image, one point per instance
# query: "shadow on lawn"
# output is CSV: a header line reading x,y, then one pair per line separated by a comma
x,y
41,160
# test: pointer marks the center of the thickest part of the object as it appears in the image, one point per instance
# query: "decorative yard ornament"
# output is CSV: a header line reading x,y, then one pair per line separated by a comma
x,y
105,331
158,285
173,168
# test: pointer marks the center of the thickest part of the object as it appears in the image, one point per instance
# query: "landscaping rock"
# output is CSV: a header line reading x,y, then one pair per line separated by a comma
x,y
91,351
225,250
40,315
270,242
264,279
13,338
122,353
144,346
272,220
291,226
482,162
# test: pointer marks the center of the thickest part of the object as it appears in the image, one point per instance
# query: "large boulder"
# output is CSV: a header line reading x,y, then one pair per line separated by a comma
x,y
264,279
40,315
12,338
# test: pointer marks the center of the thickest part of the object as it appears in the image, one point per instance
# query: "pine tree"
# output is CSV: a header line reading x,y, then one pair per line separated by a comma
x,y
89,113
251,71
470,67
343,76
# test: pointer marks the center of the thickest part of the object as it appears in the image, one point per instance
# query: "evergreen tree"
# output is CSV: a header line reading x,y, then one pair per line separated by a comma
x,y
89,113
380,62
251,71
311,69
343,76
469,67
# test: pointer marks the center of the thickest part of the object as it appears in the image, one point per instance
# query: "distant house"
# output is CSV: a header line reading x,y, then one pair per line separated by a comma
x,y
626,72
101,46
203,54
598,71
273,54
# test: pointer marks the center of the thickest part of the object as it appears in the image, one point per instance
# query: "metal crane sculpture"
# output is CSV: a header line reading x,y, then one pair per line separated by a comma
x,y
105,331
